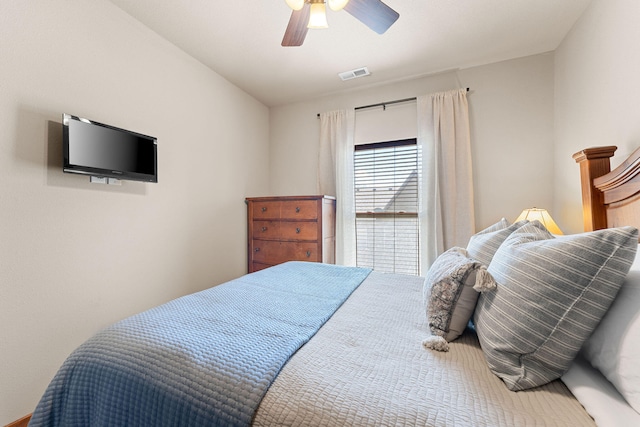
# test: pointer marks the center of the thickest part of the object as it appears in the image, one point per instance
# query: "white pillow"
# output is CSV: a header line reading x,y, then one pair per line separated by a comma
x,y
598,396
614,346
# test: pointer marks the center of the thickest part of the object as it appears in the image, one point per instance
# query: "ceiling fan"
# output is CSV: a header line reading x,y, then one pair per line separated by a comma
x,y
311,14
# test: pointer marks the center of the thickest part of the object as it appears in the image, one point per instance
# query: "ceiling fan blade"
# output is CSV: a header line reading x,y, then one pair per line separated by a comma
x,y
297,29
373,13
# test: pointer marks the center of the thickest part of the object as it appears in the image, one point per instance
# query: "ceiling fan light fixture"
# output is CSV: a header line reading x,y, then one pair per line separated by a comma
x,y
373,13
295,4
318,16
337,5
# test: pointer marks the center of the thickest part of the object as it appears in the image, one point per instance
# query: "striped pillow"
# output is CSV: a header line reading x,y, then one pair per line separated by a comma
x,y
551,294
484,244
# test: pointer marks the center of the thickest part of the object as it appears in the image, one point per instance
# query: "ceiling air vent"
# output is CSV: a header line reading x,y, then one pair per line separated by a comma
x,y
359,72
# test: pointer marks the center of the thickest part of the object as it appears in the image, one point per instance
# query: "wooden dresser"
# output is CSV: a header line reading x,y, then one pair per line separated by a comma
x,y
293,228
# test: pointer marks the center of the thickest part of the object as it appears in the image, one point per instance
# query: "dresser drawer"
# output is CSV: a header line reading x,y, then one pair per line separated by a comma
x,y
266,210
274,252
299,209
299,230
266,229
256,266
285,230
301,251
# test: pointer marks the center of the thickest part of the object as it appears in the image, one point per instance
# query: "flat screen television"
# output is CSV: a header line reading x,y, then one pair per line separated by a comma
x,y
96,149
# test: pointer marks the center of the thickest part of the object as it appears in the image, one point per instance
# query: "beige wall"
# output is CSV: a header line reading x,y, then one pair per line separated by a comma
x,y
74,256
596,95
511,109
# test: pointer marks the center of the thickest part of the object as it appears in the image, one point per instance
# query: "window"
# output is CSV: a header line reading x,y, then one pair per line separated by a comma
x,y
386,200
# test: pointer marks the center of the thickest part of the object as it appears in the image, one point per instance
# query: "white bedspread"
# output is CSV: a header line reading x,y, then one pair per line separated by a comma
x,y
366,366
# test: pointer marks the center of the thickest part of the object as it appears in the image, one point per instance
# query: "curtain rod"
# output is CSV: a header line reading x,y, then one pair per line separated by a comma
x,y
384,104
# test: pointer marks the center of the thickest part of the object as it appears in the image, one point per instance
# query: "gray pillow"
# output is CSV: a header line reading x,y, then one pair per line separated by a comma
x,y
551,294
450,294
484,244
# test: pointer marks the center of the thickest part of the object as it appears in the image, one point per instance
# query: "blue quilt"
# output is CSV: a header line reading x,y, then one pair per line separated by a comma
x,y
203,359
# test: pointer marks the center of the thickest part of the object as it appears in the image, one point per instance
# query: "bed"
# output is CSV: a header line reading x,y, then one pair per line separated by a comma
x,y
315,344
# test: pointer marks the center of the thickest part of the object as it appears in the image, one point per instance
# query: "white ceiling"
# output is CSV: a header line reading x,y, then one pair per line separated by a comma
x,y
240,40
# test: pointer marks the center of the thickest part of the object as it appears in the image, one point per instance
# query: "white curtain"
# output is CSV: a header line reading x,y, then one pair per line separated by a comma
x,y
446,208
335,178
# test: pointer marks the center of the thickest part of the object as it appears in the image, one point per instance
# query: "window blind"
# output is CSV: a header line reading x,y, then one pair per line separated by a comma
x,y
386,200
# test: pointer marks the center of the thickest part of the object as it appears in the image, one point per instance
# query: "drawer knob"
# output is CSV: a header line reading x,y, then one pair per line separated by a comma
x,y
297,209
308,254
264,228
264,209
298,230
256,250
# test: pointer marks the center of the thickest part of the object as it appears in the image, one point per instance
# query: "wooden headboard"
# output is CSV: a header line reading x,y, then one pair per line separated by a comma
x,y
609,197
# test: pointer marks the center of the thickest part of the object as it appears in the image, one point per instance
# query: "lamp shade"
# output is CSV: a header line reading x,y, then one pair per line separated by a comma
x,y
541,215
295,4
337,4
318,16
